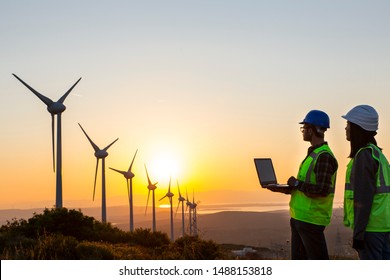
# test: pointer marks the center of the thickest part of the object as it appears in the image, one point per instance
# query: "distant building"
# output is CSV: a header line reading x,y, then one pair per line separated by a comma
x,y
243,252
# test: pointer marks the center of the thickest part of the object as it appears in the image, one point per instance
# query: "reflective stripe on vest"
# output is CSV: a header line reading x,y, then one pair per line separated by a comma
x,y
317,210
379,220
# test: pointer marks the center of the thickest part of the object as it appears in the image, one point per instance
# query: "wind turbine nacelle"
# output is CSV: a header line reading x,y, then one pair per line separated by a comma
x,y
101,154
129,175
56,108
152,187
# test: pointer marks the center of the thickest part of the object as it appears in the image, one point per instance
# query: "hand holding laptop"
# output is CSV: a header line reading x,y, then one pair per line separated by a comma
x,y
267,176
274,188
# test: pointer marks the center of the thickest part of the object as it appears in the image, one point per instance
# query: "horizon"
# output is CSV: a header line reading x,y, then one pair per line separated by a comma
x,y
199,89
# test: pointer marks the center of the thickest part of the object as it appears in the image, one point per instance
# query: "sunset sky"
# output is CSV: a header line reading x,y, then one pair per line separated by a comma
x,y
200,88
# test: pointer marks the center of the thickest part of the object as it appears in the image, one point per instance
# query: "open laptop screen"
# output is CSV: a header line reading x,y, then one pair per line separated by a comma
x,y
265,171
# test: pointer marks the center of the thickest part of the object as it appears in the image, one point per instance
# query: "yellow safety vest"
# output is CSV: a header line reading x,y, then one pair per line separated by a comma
x,y
379,220
314,210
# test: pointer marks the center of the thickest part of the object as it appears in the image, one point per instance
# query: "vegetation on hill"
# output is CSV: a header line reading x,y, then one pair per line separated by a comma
x,y
62,234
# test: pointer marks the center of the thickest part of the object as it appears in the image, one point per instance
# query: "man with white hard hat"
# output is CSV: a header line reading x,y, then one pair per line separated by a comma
x,y
367,186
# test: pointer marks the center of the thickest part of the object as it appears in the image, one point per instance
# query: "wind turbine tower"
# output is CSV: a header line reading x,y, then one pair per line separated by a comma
x,y
190,206
151,187
181,200
100,154
170,195
194,218
129,179
54,108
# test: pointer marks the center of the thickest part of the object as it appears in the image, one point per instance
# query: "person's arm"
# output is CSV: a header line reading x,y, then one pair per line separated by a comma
x,y
326,166
363,178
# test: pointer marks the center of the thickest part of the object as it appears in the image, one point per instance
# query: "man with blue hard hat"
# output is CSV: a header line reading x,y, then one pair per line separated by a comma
x,y
312,191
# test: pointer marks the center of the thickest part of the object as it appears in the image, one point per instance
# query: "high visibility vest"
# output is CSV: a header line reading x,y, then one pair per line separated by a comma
x,y
314,210
379,219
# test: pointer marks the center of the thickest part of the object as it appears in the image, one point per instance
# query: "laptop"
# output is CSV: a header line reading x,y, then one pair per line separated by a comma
x,y
266,173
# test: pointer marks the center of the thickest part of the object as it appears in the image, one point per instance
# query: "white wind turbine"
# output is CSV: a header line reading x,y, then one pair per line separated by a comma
x,y
100,154
151,187
170,195
181,200
54,108
129,179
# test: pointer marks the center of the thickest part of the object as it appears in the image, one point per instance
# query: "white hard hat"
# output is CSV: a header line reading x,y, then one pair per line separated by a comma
x,y
364,116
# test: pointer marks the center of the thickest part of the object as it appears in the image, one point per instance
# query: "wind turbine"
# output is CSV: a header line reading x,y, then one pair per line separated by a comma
x,y
194,217
151,187
190,206
170,195
181,200
54,108
129,179
100,154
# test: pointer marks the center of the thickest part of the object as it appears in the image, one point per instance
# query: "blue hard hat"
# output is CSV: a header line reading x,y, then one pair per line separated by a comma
x,y
317,118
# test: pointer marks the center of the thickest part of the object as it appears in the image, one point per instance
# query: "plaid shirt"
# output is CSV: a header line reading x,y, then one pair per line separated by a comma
x,y
324,169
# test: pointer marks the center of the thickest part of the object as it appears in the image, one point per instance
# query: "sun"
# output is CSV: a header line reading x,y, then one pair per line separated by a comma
x,y
165,165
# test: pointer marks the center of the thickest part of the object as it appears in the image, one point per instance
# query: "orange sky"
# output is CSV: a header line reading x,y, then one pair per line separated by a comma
x,y
207,87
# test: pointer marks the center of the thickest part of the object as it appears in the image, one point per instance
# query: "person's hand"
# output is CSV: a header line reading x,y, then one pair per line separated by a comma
x,y
291,181
279,189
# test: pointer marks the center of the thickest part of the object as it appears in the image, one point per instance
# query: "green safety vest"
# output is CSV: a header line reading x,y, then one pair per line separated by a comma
x,y
379,220
314,210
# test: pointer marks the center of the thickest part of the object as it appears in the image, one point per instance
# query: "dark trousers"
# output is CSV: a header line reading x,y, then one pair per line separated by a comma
x,y
307,241
376,246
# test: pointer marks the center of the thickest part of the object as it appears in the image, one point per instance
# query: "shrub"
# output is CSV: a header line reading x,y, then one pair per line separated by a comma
x,y
193,248
94,251
107,233
55,247
148,239
63,221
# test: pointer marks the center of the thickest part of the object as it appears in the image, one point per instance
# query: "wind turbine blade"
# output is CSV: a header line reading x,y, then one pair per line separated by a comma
x,y
106,148
178,188
162,197
121,172
187,200
43,98
147,175
94,185
62,99
169,188
131,165
147,202
177,209
95,147
52,140
193,196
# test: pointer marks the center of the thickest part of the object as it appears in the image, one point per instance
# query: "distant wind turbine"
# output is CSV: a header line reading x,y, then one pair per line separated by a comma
x,y
181,200
194,217
129,179
151,187
54,108
170,195
190,206
100,154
